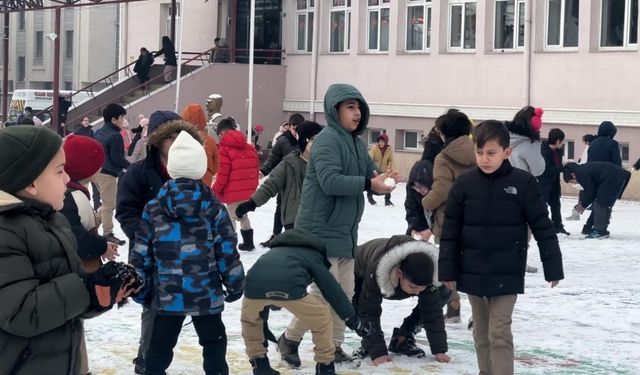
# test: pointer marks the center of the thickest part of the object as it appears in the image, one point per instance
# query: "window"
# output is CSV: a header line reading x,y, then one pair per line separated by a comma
x,y
373,135
22,20
509,24
462,24
570,150
562,23
39,45
340,33
411,140
22,69
619,24
378,26
418,25
304,22
68,44
624,152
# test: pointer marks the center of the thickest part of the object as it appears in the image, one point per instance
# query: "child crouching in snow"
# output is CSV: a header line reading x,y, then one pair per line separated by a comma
x,y
185,249
398,268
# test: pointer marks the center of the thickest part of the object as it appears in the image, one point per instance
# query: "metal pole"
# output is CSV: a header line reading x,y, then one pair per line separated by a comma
x,y
526,63
314,59
5,70
182,6
173,21
252,20
56,73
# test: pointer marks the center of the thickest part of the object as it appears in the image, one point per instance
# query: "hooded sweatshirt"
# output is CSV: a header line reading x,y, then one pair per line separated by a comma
x,y
604,147
526,155
237,177
195,115
332,201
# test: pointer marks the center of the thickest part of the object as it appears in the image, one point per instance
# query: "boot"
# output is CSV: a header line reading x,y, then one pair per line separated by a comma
x,y
267,243
404,343
247,240
387,200
561,230
453,312
341,357
261,366
370,199
289,351
325,368
138,365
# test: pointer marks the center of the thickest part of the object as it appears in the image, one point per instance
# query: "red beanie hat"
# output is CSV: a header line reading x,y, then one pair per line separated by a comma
x,y
84,155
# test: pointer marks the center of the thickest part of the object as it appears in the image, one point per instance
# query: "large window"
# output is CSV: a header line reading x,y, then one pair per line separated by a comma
x,y
562,23
411,140
39,41
462,24
418,25
624,152
22,68
304,25
68,44
509,24
340,33
619,24
373,135
22,20
378,25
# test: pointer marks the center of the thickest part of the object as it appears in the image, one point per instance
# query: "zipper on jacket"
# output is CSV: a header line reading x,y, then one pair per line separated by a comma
x,y
353,226
21,361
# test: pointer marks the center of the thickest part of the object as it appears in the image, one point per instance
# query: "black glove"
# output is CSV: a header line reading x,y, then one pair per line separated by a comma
x,y
231,297
356,324
105,284
245,207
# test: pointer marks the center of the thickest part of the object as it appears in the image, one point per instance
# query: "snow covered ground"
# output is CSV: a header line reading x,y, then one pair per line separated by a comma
x,y
589,324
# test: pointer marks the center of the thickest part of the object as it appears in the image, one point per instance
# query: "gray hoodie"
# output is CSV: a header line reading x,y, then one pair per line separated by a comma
x,y
526,155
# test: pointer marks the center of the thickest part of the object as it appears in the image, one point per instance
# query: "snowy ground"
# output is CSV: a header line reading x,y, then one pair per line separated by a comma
x,y
589,324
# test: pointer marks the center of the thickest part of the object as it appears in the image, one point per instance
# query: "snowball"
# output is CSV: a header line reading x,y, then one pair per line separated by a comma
x,y
390,182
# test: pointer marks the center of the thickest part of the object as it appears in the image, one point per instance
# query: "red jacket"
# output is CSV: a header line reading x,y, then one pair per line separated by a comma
x,y
237,177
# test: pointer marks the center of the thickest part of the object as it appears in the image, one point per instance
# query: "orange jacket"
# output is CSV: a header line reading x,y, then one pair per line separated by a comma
x,y
194,114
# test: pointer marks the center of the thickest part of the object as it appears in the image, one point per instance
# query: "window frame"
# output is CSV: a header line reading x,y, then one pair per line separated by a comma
x,y
515,43
568,149
346,9
309,14
560,45
382,4
418,138
622,146
22,20
21,70
463,4
38,50
427,9
68,44
371,140
626,32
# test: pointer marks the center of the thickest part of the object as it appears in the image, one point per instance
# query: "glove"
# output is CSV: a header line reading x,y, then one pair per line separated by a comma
x,y
356,324
111,283
231,297
245,207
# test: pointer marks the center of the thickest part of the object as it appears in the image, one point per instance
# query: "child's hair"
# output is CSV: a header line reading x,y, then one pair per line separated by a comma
x,y
453,124
555,135
588,138
522,124
567,170
113,110
296,119
226,124
491,130
418,268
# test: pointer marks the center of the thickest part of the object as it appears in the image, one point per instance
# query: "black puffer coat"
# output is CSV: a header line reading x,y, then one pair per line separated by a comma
x,y
42,295
285,144
422,172
604,147
602,182
484,238
549,180
111,140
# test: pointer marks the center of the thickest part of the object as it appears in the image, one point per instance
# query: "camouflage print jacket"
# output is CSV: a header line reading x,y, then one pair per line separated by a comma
x,y
185,249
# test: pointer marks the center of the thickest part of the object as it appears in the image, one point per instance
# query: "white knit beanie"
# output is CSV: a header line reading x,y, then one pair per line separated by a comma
x,y
187,158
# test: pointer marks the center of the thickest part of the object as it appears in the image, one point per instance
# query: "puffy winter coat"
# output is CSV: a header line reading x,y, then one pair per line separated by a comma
x,y
376,263
432,147
194,114
526,155
604,147
286,179
185,249
296,259
113,144
285,144
383,161
42,295
455,159
422,172
602,182
237,177
550,180
484,237
332,194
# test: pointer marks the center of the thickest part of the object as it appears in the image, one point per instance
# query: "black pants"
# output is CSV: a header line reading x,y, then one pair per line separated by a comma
x,y
211,336
553,200
277,217
387,197
95,196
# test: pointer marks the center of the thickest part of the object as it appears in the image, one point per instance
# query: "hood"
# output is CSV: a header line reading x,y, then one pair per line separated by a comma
x,y
300,238
234,139
607,129
165,130
184,198
421,172
194,114
340,92
461,151
385,138
9,202
518,139
400,248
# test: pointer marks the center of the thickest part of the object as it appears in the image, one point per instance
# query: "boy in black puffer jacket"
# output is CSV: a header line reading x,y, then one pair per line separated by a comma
x,y
483,248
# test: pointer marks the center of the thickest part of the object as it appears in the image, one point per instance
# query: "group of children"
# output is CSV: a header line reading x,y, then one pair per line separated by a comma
x,y
184,258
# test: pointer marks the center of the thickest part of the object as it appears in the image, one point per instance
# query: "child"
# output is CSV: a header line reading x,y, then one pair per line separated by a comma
x,y
194,114
602,183
185,251
398,268
483,248
550,180
286,179
587,139
43,287
332,203
382,156
280,277
237,177
418,185
524,131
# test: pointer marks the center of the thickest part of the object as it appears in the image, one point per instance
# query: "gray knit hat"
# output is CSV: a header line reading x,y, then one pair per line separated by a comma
x,y
25,151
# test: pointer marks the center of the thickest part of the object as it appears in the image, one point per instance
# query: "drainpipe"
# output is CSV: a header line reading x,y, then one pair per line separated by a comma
x,y
315,48
124,30
526,64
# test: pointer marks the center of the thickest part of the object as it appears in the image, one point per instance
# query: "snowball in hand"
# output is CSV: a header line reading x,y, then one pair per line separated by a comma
x,y
390,182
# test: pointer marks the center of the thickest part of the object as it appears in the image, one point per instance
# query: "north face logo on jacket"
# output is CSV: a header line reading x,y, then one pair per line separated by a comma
x,y
511,190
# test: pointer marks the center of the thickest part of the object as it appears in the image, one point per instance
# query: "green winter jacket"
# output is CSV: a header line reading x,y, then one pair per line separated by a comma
x,y
296,259
286,179
332,193
42,295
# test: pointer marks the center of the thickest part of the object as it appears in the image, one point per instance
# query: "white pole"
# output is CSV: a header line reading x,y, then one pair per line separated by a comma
x,y
526,62
182,6
314,59
251,48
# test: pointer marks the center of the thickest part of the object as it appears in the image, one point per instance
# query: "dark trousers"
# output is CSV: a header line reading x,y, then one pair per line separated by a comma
x,y
553,200
601,217
211,336
387,197
95,196
277,217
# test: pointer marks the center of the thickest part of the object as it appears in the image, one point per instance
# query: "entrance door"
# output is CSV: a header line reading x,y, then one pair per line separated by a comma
x,y
268,31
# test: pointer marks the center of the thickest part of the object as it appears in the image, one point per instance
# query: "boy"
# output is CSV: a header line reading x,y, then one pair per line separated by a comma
x,y
603,183
483,248
382,155
286,179
550,179
418,185
185,250
43,288
332,203
398,268
280,277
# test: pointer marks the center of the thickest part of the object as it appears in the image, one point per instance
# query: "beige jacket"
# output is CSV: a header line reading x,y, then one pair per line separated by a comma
x,y
383,162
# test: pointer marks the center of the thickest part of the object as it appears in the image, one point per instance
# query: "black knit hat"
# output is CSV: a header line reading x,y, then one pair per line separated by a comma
x,y
158,118
306,131
25,151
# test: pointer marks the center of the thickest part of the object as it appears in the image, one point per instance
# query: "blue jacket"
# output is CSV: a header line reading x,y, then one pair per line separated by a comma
x,y
185,249
111,140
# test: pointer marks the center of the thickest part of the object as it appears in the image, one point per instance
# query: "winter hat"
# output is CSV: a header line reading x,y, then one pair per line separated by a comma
x,y
259,128
536,120
194,114
418,268
84,155
384,137
306,131
187,158
25,151
160,117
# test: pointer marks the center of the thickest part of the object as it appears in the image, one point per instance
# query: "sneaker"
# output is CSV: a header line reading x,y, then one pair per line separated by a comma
x,y
452,316
261,366
561,230
342,357
404,343
388,203
325,368
111,238
289,351
530,269
575,216
371,200
267,243
138,365
595,234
